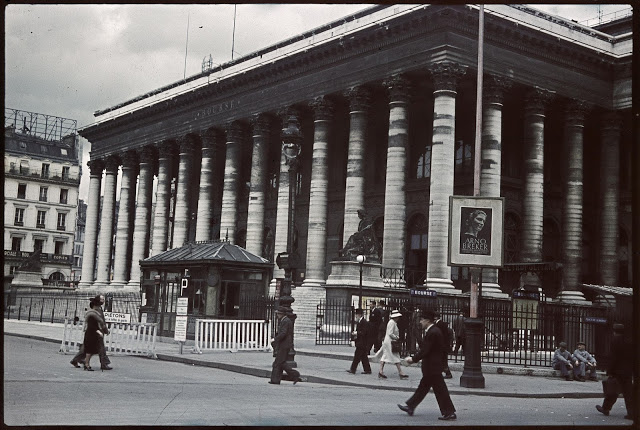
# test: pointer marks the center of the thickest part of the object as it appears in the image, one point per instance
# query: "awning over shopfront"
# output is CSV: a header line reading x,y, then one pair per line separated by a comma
x,y
207,252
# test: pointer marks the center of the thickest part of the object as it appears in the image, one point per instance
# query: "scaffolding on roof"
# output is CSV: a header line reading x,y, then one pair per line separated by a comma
x,y
47,127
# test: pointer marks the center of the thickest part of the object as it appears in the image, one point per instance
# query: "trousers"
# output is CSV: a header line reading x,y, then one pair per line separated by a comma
x,y
361,356
439,389
280,364
627,391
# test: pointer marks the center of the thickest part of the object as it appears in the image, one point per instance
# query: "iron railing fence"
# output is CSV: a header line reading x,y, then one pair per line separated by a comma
x,y
518,332
259,308
55,307
401,278
334,322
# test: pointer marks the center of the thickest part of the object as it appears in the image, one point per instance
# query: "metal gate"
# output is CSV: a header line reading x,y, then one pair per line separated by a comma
x,y
334,322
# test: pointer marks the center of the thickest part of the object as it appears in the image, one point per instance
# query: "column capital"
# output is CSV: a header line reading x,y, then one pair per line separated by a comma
x,y
322,108
148,154
167,149
260,124
611,120
211,137
536,99
187,144
494,89
359,98
398,87
575,111
234,131
285,113
112,163
446,75
96,166
130,160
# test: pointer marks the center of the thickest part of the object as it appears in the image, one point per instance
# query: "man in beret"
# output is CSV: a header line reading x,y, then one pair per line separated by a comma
x,y
430,353
282,344
562,361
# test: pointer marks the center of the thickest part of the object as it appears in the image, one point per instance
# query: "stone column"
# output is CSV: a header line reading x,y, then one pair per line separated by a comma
x,y
122,256
393,246
141,224
445,77
261,125
182,215
318,197
572,231
107,214
229,215
360,99
491,161
205,208
163,196
533,192
91,227
609,197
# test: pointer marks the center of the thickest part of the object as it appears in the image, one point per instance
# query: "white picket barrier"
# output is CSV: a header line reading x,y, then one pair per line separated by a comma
x,y
123,338
232,335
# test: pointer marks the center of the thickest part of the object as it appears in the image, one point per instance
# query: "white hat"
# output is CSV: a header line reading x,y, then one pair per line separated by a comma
x,y
395,314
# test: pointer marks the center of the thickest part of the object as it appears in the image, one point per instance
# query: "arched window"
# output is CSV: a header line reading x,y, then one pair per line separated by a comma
x,y
423,164
56,276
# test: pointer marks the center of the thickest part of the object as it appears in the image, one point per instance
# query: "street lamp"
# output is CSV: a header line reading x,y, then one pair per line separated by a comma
x,y
360,259
291,147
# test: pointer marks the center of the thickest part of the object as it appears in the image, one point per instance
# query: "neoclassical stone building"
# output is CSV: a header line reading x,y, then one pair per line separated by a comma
x,y
385,100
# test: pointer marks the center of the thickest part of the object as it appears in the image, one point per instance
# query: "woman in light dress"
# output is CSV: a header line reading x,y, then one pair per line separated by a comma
x,y
384,354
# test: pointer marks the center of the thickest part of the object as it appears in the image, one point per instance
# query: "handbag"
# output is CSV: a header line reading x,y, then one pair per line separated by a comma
x,y
611,387
396,346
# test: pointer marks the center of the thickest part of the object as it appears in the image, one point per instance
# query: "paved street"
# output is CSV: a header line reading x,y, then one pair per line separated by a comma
x,y
42,388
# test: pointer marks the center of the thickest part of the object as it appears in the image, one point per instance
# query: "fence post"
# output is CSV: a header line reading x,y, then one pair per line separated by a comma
x,y
53,309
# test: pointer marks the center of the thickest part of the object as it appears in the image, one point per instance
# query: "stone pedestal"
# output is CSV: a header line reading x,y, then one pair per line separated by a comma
x,y
26,280
347,274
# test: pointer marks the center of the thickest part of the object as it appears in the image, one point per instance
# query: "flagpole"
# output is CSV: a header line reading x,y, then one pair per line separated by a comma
x,y
186,48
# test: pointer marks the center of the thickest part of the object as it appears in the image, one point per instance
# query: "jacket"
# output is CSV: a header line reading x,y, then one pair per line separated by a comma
x,y
430,352
583,356
362,332
444,329
562,357
103,325
284,337
621,358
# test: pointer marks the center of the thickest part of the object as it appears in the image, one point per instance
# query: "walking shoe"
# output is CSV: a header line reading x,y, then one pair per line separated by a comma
x,y
366,373
382,376
602,410
580,379
105,367
449,417
568,378
298,379
353,372
274,383
593,378
74,364
448,376
407,409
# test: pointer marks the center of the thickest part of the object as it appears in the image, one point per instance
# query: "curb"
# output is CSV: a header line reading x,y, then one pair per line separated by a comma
x,y
34,337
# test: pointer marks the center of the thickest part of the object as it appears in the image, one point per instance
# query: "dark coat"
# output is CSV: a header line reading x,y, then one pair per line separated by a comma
x,y
284,337
362,333
444,330
430,352
622,355
92,340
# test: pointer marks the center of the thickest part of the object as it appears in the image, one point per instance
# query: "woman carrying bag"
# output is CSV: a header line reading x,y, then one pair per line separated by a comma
x,y
386,352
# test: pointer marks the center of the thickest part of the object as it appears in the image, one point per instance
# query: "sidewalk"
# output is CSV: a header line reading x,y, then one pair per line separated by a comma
x,y
327,364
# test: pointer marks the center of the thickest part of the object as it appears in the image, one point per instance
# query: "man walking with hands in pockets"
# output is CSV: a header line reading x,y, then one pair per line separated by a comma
x,y
282,344
430,353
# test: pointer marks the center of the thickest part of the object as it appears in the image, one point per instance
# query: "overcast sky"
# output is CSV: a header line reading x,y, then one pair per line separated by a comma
x,y
71,60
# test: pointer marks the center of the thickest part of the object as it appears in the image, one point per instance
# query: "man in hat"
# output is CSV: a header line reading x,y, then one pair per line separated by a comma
x,y
282,344
98,301
583,362
430,353
562,360
621,369
361,335
375,318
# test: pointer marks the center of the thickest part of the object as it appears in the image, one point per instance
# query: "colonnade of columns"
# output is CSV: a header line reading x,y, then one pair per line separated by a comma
x,y
134,227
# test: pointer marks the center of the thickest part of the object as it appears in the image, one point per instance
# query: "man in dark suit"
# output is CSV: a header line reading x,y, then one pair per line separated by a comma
x,y
282,344
362,343
430,353
375,319
621,368
446,338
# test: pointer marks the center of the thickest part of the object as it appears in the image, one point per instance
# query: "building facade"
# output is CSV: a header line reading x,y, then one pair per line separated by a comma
x,y
42,175
385,99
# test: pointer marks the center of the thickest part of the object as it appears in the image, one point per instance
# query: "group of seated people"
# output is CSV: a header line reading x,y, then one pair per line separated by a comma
x,y
576,364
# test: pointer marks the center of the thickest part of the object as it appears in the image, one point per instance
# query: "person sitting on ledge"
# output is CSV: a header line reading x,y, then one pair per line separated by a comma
x,y
562,360
584,362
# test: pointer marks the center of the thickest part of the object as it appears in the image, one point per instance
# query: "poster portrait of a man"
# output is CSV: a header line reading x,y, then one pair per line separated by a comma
x,y
475,230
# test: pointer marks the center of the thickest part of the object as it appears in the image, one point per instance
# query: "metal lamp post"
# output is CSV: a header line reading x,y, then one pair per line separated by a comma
x,y
360,259
289,261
